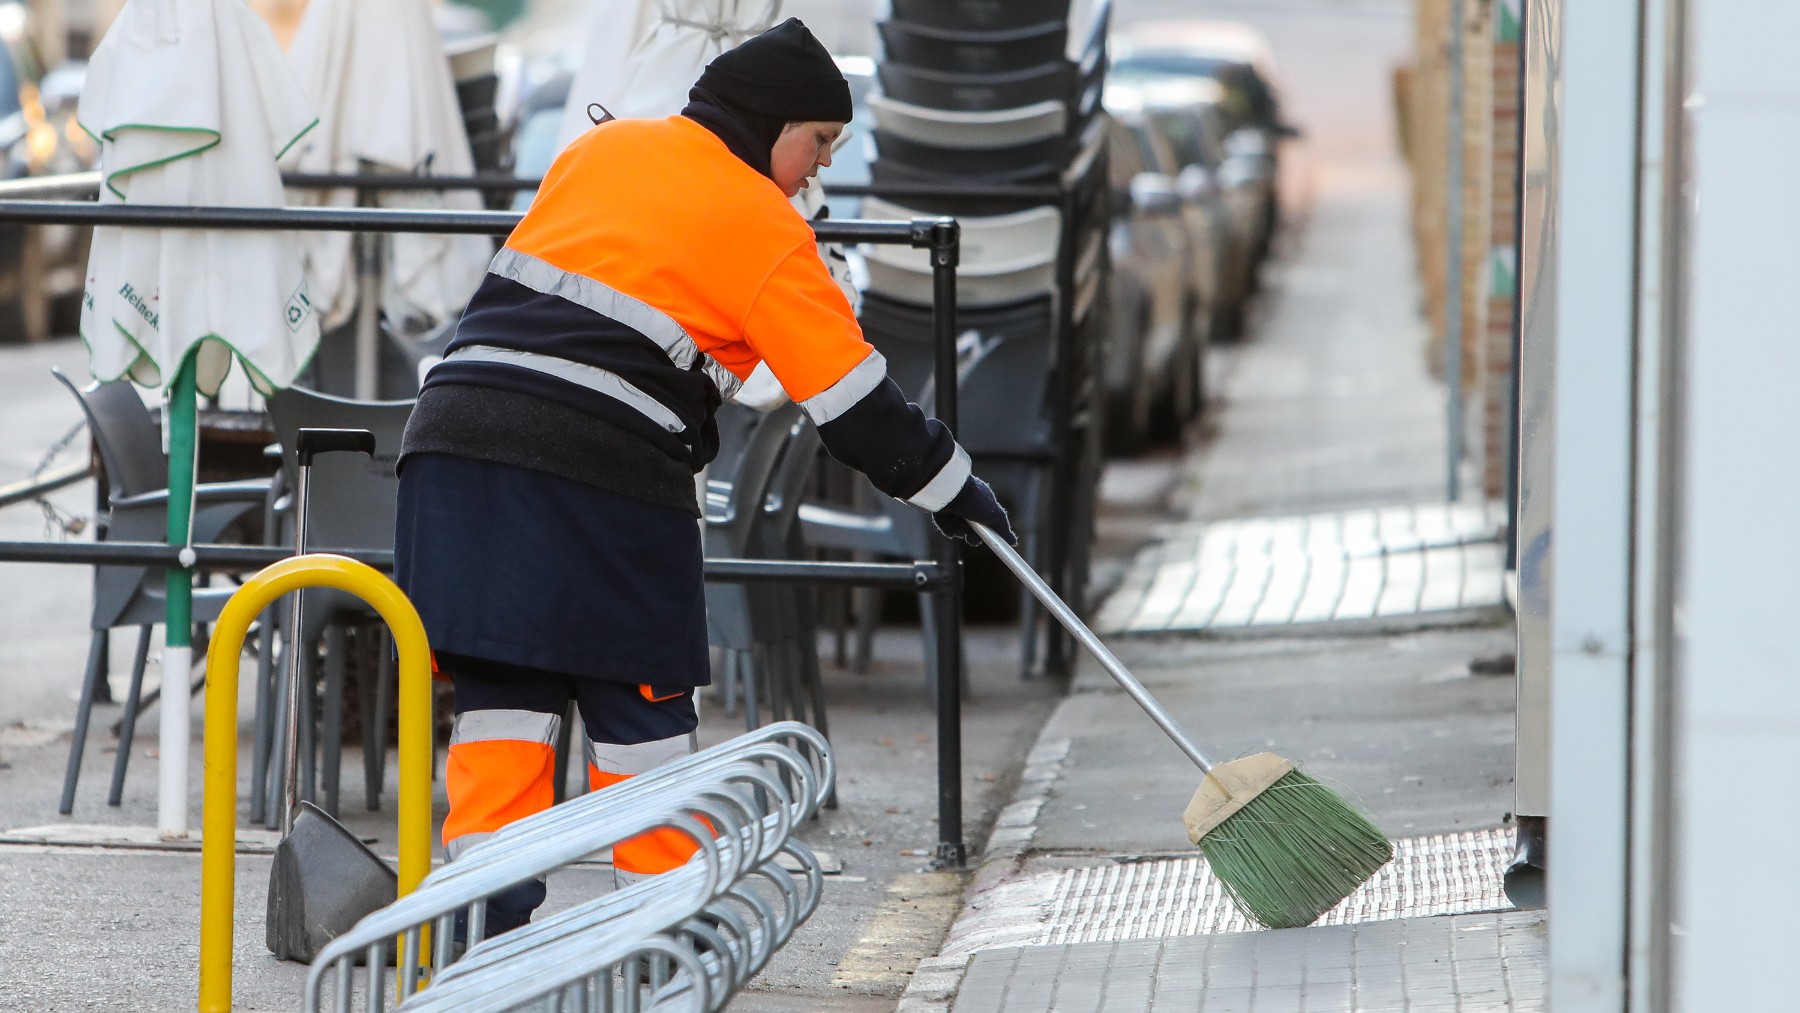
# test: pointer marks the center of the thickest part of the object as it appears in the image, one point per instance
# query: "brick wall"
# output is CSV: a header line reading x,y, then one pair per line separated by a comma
x,y
1502,260
1483,298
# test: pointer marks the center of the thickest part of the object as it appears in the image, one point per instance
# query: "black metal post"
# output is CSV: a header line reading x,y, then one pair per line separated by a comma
x,y
946,241
1064,474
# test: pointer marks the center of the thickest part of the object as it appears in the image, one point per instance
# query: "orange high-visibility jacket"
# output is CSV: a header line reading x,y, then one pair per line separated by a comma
x,y
652,273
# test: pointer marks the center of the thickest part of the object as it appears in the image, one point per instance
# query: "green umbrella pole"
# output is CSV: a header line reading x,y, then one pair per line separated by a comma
x,y
174,731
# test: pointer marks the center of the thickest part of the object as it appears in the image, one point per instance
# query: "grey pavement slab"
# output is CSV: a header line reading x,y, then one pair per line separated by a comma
x,y
43,608
1473,963
117,927
1330,404
1395,722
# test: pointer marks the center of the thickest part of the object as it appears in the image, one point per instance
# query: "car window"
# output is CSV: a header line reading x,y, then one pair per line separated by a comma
x,y
1247,100
1142,65
1235,105
1261,98
1183,130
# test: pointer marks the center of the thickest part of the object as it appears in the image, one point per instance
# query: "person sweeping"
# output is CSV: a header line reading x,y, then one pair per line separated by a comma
x,y
547,525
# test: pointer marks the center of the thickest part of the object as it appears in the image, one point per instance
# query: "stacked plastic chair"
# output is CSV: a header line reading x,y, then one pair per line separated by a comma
x,y
987,109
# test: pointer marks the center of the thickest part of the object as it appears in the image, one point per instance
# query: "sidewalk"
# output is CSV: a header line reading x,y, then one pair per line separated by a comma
x,y
1309,507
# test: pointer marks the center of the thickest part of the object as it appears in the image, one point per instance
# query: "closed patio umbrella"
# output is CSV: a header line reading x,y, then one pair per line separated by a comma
x,y
377,73
670,41
614,29
191,103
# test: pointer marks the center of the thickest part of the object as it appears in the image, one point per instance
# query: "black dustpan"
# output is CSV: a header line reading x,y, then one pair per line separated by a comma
x,y
324,879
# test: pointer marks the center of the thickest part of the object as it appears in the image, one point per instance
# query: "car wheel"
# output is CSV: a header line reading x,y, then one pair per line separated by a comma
x,y
1197,376
1228,323
1128,410
1125,425
1186,390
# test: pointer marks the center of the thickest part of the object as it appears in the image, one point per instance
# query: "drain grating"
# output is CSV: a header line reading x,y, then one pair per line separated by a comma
x,y
1439,874
1436,875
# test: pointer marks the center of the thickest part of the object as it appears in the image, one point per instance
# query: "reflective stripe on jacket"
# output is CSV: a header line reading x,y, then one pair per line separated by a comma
x,y
653,272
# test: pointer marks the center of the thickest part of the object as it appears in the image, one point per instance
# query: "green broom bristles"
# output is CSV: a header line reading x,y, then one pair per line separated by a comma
x,y
1294,852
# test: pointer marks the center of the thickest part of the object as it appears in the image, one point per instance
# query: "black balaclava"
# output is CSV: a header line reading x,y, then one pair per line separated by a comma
x,y
748,94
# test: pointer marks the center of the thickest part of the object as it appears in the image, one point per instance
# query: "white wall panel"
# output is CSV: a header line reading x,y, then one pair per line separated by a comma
x,y
1738,708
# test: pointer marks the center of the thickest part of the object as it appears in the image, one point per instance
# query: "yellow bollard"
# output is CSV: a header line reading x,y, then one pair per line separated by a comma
x,y
218,845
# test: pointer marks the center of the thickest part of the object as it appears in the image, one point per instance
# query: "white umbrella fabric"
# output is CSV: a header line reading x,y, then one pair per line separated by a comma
x,y
614,31
671,41
191,103
377,73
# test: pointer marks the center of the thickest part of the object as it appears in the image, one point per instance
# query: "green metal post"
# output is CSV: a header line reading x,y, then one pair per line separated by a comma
x,y
172,795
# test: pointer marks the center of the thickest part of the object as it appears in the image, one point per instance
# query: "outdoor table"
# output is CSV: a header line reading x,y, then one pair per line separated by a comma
x,y
232,443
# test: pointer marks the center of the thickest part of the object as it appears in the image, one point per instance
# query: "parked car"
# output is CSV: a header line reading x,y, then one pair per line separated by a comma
x,y
42,268
1237,58
1150,365
1229,198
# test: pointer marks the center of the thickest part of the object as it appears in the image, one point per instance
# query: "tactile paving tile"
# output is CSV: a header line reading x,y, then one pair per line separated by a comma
x,y
1440,874
1354,566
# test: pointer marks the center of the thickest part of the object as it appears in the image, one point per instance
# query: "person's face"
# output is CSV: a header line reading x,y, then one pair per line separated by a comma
x,y
799,153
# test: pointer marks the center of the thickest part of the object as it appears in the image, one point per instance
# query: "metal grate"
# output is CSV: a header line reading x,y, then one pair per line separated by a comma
x,y
1438,874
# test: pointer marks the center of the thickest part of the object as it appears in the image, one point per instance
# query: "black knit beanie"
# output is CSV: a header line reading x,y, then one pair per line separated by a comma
x,y
784,73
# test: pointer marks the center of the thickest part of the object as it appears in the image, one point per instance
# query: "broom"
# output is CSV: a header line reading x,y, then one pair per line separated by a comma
x,y
1286,848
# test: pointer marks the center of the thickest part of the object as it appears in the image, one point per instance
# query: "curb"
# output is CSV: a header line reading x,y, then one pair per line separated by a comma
x,y
933,986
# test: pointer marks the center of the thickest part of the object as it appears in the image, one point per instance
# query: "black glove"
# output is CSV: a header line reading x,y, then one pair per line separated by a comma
x,y
976,503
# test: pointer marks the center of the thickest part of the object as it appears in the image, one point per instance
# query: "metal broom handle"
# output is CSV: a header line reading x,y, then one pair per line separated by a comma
x,y
290,738
1072,622
309,443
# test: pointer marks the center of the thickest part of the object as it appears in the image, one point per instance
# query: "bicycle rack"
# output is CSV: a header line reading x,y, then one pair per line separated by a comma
x,y
686,939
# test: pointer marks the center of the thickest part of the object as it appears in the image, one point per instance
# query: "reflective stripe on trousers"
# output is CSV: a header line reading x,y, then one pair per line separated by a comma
x,y
659,850
501,768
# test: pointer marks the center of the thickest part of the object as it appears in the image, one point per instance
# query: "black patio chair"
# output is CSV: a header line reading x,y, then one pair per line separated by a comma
x,y
973,51
1008,89
981,15
767,631
906,160
137,474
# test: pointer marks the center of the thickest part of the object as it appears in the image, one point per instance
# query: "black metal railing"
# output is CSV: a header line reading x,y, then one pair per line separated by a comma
x,y
941,577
